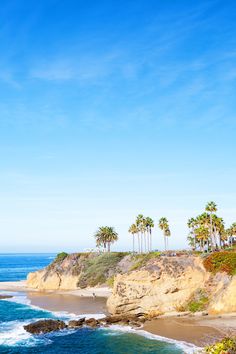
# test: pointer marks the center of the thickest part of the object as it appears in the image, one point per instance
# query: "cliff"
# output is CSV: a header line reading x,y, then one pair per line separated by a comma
x,y
169,284
151,284
80,270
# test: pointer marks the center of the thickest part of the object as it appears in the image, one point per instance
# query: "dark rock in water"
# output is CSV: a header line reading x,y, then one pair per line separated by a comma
x,y
45,326
5,297
92,322
123,319
76,323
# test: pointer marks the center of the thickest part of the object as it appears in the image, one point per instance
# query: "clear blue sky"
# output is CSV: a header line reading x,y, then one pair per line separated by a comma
x,y
113,108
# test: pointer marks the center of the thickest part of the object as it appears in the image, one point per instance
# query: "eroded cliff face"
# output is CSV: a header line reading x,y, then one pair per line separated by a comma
x,y
160,284
80,270
167,284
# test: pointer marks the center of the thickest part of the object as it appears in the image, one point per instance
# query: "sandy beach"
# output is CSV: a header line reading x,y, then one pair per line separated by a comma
x,y
69,303
197,330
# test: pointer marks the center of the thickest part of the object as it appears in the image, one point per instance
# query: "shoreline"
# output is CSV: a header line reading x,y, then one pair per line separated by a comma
x,y
196,330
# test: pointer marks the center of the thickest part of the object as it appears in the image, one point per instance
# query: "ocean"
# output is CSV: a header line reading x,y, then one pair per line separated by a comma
x,y
17,311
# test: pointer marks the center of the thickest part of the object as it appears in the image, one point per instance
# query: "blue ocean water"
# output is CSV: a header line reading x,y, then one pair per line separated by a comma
x,y
16,312
17,266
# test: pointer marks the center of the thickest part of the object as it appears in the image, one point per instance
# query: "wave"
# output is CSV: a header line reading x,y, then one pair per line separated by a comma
x,y
16,335
188,348
13,334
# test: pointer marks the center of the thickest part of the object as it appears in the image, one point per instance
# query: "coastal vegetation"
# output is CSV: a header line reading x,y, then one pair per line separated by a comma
x,y
225,346
100,269
142,230
208,232
105,236
164,226
221,262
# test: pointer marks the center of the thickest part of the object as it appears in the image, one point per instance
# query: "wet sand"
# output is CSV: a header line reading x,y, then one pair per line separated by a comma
x,y
69,303
200,332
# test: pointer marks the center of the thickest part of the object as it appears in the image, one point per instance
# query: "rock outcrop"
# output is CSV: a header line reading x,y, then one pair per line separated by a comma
x,y
79,270
45,326
150,284
167,284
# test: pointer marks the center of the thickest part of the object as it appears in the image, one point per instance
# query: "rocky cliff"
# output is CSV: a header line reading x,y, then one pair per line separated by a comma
x,y
151,284
80,270
168,284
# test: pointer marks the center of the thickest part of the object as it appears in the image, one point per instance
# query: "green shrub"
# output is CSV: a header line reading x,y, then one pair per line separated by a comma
x,y
98,269
221,262
226,346
198,302
60,257
110,281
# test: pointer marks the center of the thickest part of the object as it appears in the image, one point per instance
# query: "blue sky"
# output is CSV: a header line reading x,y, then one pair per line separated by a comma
x,y
113,108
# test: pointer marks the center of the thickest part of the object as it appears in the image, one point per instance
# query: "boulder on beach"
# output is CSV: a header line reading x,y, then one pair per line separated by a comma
x,y
45,326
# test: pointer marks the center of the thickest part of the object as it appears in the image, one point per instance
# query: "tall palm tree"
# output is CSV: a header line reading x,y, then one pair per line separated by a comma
x,y
105,236
139,223
163,225
211,207
202,234
231,232
192,223
149,226
134,231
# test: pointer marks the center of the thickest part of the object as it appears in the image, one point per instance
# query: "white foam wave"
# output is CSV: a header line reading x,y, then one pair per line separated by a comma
x,y
13,334
188,348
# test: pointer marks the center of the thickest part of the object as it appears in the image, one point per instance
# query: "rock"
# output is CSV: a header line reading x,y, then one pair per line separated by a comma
x,y
91,322
76,323
5,297
204,313
123,319
45,326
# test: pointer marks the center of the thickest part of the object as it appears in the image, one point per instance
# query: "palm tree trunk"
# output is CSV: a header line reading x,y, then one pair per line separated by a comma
x,y
141,242
150,240
138,242
133,243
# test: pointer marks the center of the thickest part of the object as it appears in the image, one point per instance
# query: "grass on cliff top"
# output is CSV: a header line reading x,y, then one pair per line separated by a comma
x,y
141,259
221,262
99,269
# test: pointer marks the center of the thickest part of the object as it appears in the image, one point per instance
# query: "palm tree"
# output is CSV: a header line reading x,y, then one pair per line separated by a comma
x,y
192,238
139,223
163,225
134,231
149,225
231,232
105,236
202,234
211,207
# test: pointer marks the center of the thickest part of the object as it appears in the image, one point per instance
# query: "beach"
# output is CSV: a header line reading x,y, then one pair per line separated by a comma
x,y
198,330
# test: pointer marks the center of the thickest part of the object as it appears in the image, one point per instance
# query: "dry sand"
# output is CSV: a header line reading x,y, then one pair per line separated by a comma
x,y
200,332
69,303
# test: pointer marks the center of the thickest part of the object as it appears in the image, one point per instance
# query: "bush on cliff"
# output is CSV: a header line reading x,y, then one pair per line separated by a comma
x,y
98,269
227,346
60,257
221,262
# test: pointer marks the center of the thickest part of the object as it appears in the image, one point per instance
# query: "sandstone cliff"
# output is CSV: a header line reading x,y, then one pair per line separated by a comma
x,y
149,284
80,270
168,284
